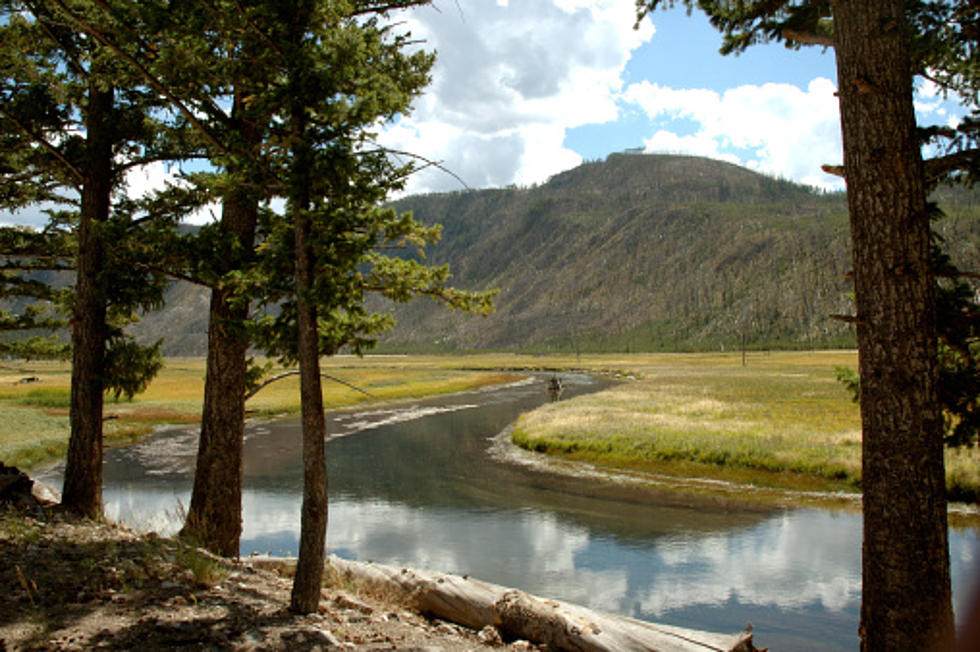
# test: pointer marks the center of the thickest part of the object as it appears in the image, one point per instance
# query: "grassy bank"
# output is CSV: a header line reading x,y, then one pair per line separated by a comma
x,y
34,424
781,421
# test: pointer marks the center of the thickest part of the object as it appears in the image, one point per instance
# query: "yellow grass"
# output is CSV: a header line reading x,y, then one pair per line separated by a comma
x,y
34,416
781,420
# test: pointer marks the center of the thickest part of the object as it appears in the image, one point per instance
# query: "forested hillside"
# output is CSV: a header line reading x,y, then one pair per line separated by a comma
x,y
637,252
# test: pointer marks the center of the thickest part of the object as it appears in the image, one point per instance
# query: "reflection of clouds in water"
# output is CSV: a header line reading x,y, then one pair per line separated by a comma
x,y
964,554
146,510
531,550
791,561
257,430
795,560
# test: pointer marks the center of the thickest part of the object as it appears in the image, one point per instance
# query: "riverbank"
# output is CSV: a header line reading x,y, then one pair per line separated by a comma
x,y
781,422
74,584
35,396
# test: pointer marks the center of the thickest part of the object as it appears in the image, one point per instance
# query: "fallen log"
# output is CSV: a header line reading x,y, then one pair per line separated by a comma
x,y
517,615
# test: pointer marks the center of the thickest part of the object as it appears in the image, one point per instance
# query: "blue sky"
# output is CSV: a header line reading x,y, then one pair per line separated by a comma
x,y
524,89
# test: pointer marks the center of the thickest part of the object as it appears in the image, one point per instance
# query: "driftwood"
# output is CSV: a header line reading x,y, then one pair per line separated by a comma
x,y
517,615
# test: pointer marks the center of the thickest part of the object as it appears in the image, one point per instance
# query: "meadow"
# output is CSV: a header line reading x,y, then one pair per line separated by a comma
x,y
34,425
782,420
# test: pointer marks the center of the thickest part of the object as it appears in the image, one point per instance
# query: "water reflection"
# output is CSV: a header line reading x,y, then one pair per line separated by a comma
x,y
415,488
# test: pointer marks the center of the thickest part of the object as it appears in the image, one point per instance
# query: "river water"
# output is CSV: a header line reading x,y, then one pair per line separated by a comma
x,y
413,485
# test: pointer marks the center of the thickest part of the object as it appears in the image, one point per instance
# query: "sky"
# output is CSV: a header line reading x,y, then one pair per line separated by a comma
x,y
524,89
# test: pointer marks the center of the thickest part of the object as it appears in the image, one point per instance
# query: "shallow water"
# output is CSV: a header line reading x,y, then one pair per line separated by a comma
x,y
413,485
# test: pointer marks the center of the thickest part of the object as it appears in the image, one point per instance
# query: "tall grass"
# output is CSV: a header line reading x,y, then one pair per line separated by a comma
x,y
35,397
783,417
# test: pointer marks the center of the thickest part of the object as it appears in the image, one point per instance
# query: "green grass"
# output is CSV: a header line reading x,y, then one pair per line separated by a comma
x,y
782,420
34,425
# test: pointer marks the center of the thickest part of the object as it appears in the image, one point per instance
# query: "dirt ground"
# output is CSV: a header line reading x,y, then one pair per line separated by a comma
x,y
71,584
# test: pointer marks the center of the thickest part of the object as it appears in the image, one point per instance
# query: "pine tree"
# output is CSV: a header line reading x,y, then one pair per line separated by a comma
x,y
879,46
312,98
343,72
73,123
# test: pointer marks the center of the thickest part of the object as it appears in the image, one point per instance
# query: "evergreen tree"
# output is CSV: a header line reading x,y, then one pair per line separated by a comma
x,y
73,124
32,304
240,52
879,46
343,71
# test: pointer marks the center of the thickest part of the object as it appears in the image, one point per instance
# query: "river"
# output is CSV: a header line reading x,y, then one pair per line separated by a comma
x,y
413,485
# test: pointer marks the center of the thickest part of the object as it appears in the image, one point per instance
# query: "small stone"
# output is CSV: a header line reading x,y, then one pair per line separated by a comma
x,y
346,601
447,628
489,635
328,638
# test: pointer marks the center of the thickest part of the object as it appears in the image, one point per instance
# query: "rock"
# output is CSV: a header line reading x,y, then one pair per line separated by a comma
x,y
345,601
45,495
19,490
489,635
15,487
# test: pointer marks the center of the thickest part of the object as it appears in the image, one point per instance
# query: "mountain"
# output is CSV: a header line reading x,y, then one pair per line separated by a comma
x,y
636,252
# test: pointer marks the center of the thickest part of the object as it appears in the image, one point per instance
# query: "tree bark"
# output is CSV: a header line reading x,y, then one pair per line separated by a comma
x,y
313,524
214,518
906,587
82,490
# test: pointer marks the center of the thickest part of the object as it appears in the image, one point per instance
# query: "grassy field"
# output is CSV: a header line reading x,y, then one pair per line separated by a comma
x,y
34,415
781,421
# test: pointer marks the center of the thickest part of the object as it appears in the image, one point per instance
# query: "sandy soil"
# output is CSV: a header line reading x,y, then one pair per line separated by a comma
x,y
72,584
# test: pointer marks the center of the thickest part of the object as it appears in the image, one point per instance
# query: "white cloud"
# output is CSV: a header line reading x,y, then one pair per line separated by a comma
x,y
509,79
778,129
145,179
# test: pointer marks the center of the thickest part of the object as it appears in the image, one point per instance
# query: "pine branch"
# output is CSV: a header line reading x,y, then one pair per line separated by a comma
x,y
286,374
74,61
937,168
386,7
428,163
836,170
40,140
36,267
809,38
151,79
159,158
255,28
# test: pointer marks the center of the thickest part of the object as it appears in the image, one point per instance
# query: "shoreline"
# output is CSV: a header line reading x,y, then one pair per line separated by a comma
x,y
256,416
657,485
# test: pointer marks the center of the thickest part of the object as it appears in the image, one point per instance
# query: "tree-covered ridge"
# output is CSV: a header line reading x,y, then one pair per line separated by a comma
x,y
650,252
638,252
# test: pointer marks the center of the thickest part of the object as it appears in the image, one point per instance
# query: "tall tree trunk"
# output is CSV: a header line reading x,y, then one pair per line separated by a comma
x,y
313,524
906,601
214,518
82,491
